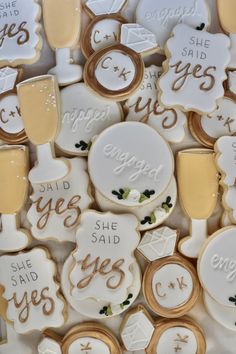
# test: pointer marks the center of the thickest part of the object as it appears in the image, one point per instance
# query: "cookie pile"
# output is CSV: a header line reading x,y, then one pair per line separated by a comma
x,y
104,179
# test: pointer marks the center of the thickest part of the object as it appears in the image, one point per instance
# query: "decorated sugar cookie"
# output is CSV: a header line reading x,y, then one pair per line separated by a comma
x,y
194,72
149,215
104,29
143,106
13,195
56,206
161,16
229,203
87,337
20,42
117,71
225,148
140,332
131,174
11,124
103,256
34,302
84,116
62,20
41,95
170,283
208,128
232,82
216,266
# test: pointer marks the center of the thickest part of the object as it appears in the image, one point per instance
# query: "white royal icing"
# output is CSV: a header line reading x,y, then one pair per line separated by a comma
x,y
131,173
19,40
137,331
232,81
8,78
177,340
217,267
195,70
49,346
105,7
56,206
172,285
226,148
83,116
161,16
106,243
232,64
104,33
115,70
10,118
143,106
31,292
88,345
222,121
137,38
229,198
158,243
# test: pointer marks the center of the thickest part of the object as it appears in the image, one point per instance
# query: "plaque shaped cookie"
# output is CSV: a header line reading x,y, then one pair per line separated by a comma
x,y
131,173
20,42
117,71
84,115
161,16
56,206
34,302
217,267
105,252
225,148
104,29
194,71
143,106
208,128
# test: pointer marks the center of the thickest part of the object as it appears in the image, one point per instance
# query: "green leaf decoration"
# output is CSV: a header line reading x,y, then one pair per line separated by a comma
x,y
109,311
153,218
165,207
142,198
89,145
126,193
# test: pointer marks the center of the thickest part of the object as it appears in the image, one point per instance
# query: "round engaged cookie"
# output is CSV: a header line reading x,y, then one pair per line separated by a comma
x,y
125,170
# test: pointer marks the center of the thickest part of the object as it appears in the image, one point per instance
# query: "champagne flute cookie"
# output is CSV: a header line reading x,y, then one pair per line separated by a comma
x,y
160,17
143,106
62,21
87,337
13,195
84,116
140,332
194,71
170,283
115,72
40,110
11,125
56,206
198,185
131,174
207,128
102,269
34,301
104,28
20,42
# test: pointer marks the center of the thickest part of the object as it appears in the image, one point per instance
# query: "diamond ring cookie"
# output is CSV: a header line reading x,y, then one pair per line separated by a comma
x,y
170,283
194,72
126,171
115,72
87,337
140,332
104,28
160,17
83,116
143,106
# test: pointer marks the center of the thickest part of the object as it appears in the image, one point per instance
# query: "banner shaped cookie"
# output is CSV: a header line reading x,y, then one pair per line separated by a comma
x,y
56,206
194,71
225,159
20,42
34,302
161,16
143,106
105,252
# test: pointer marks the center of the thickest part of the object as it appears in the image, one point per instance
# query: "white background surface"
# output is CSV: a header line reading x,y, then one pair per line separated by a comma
x,y
219,340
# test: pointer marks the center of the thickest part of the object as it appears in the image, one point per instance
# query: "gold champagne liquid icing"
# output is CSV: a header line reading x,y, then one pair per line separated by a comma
x,y
197,182
227,14
13,178
62,22
39,106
